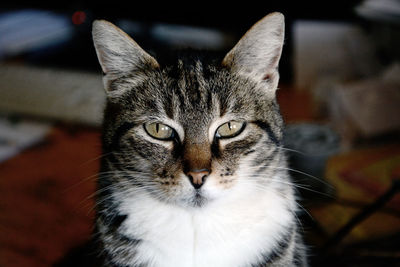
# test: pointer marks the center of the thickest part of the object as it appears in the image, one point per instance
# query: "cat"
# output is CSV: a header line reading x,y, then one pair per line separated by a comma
x,y
193,172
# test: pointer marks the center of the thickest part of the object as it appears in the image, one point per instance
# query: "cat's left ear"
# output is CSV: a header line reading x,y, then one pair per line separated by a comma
x,y
257,53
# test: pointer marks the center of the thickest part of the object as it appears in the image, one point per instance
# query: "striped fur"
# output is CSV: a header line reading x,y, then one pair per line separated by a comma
x,y
148,212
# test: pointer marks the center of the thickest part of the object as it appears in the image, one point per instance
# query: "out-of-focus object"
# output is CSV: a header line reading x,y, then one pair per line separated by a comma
x,y
367,107
360,177
160,38
71,96
331,50
178,36
383,20
351,70
16,135
45,208
28,30
309,147
381,10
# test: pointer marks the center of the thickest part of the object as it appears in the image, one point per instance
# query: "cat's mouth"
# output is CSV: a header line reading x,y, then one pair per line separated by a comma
x,y
197,199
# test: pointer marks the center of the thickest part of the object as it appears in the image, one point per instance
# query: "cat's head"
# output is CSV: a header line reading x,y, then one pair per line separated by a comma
x,y
193,130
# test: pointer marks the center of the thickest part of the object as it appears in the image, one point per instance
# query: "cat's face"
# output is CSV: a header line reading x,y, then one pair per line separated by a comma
x,y
193,131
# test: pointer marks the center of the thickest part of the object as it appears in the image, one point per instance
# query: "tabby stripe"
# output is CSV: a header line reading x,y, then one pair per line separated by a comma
x,y
279,252
181,97
298,257
209,100
121,131
268,130
109,261
264,160
168,103
215,148
249,152
299,252
115,221
113,224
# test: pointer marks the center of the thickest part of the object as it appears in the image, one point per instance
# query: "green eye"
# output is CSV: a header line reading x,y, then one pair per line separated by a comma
x,y
159,131
230,129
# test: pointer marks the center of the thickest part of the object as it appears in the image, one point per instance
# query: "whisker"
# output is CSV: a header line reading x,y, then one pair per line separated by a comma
x,y
66,190
297,171
286,182
96,158
306,174
291,150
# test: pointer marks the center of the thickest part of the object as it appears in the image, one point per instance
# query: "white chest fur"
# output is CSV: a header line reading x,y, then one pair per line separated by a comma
x,y
230,232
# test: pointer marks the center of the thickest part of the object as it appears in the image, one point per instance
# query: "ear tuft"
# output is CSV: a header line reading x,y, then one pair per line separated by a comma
x,y
258,52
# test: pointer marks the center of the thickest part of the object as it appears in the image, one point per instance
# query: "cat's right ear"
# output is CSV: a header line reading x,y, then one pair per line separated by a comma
x,y
118,54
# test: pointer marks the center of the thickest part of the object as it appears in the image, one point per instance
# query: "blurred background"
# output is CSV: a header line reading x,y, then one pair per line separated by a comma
x,y
339,95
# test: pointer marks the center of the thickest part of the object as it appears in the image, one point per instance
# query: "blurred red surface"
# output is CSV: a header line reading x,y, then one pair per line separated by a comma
x,y
45,198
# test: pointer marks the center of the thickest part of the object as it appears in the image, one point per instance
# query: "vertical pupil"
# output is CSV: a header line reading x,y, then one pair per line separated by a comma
x,y
157,127
229,126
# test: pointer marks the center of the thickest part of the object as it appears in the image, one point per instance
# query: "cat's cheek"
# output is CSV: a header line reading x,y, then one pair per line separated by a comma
x,y
215,187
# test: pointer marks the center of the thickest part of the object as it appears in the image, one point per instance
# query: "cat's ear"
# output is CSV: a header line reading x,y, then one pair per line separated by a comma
x,y
257,53
118,54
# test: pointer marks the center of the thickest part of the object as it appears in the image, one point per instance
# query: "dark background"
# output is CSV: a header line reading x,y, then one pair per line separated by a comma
x,y
228,16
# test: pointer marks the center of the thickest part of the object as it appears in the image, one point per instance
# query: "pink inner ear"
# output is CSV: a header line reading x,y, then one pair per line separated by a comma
x,y
267,77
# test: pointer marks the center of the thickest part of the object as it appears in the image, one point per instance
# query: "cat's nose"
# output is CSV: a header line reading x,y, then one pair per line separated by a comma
x,y
198,177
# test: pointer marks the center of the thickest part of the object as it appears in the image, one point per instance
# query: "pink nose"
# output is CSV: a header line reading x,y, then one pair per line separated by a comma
x,y
198,177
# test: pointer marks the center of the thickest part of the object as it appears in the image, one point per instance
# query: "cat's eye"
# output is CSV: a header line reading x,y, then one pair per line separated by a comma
x,y
159,131
230,129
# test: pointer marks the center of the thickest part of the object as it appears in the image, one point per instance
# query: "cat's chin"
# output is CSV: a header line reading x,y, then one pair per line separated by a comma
x,y
196,199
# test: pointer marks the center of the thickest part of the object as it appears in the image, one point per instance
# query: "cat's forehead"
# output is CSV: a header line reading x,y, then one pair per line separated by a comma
x,y
187,74
192,90
200,85
196,89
